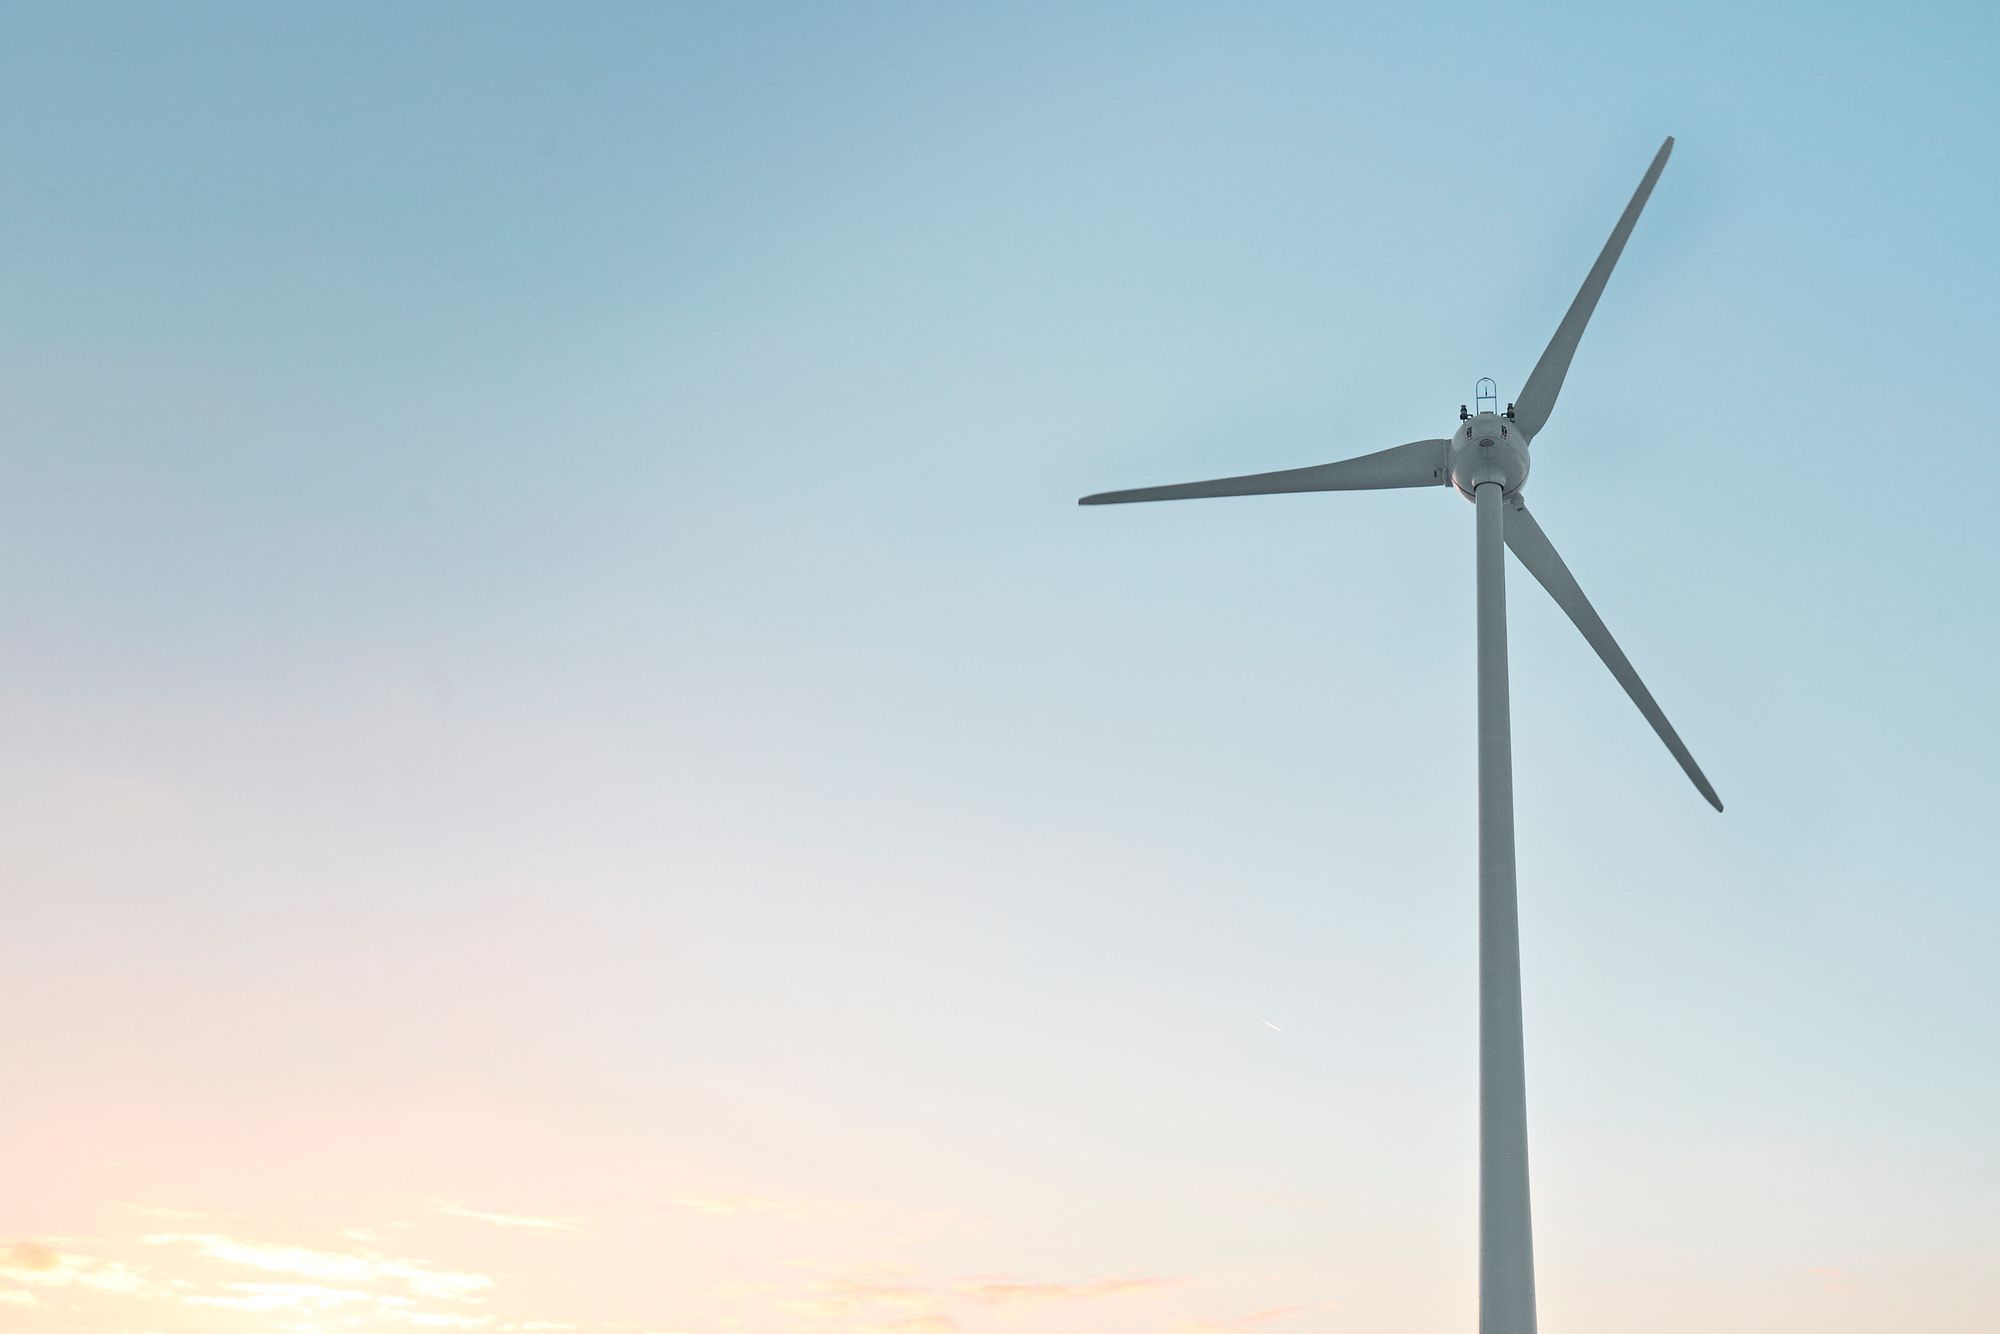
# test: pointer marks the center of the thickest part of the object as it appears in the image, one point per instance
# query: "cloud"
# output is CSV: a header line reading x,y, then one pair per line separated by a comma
x,y
282,1297
328,1282
895,1302
838,1295
363,1286
36,1265
1250,1321
526,1222
330,1266
886,1307
1269,1313
28,1257
996,1292
314,1298
371,1235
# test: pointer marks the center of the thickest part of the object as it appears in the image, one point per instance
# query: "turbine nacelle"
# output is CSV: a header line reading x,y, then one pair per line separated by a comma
x,y
1488,447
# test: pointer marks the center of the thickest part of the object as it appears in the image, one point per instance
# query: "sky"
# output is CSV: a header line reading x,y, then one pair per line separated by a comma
x,y
570,762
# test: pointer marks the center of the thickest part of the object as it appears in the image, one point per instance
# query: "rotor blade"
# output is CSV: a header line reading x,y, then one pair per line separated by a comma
x,y
1420,463
1532,547
1538,396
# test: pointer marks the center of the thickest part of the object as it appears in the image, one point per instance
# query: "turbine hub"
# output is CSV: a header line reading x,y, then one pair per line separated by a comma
x,y
1488,448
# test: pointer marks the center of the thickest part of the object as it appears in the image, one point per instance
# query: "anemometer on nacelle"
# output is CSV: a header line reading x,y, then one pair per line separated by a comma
x,y
1485,393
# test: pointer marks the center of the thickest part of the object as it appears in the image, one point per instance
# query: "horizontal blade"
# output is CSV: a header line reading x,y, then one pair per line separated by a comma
x,y
1532,547
1420,463
1538,396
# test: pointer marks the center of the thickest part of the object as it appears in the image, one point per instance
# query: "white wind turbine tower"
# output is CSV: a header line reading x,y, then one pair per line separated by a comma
x,y
1487,460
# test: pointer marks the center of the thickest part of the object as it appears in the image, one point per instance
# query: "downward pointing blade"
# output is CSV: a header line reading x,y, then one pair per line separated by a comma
x,y
1420,463
1532,547
1538,396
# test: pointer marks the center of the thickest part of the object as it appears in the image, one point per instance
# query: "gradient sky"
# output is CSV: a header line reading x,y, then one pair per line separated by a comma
x,y
570,762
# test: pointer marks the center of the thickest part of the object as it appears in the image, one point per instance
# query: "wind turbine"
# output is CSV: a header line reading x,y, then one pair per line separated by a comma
x,y
1486,459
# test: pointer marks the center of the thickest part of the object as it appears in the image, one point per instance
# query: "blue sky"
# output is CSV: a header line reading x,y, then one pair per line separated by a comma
x,y
541,564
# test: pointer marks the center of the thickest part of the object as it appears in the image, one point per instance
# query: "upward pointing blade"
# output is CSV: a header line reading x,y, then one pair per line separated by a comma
x,y
1538,396
1532,547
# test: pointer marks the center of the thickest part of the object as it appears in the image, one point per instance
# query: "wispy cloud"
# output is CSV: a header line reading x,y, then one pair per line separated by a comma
x,y
308,1282
37,1265
898,1302
28,1257
880,1294
213,1275
371,1235
839,1296
285,1297
879,1301
995,1292
329,1266
525,1222
1249,1321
